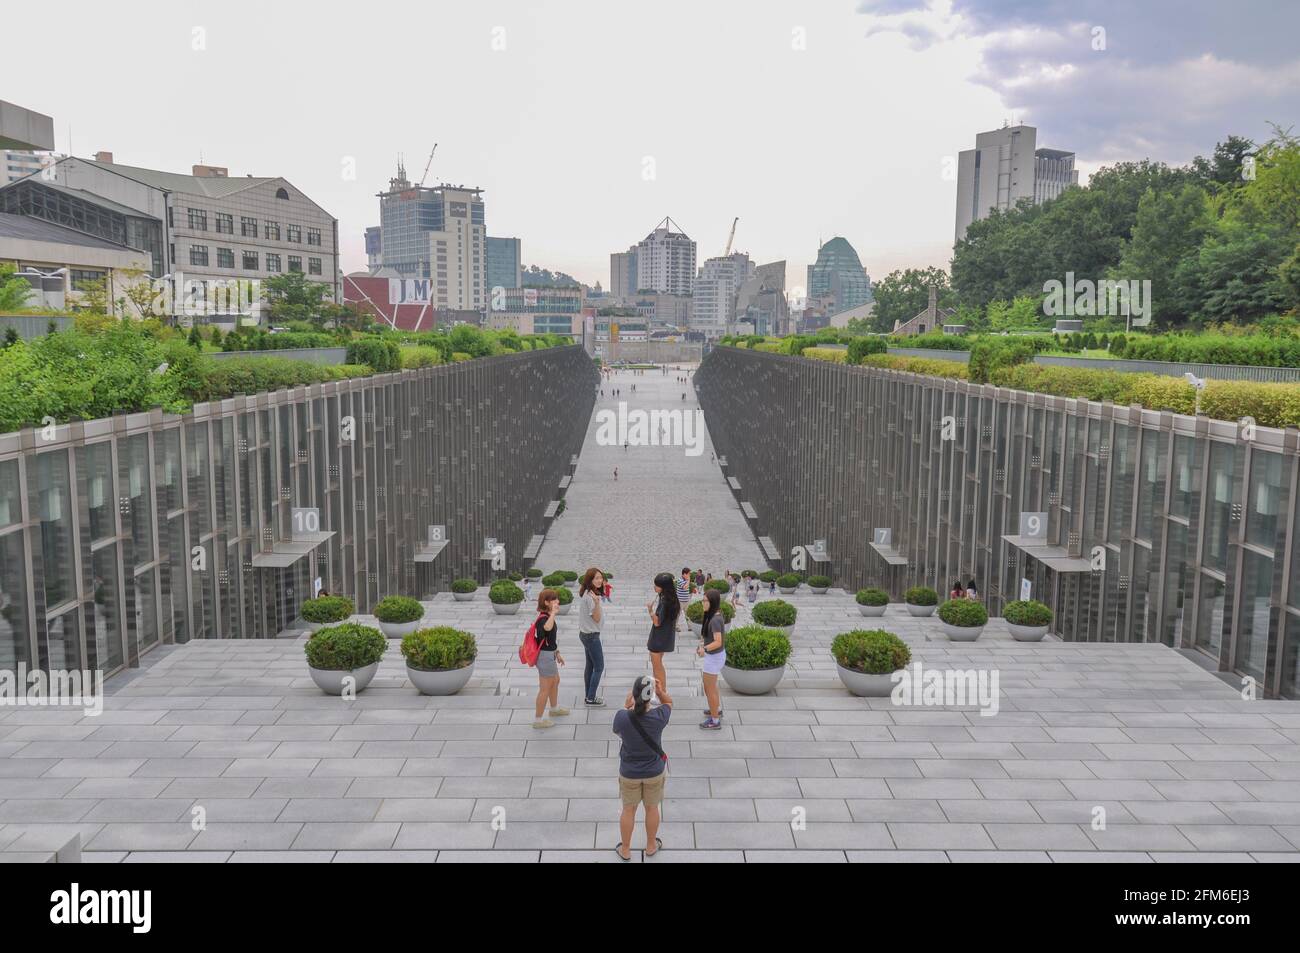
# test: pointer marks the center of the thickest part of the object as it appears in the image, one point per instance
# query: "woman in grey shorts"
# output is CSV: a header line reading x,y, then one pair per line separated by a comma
x,y
549,659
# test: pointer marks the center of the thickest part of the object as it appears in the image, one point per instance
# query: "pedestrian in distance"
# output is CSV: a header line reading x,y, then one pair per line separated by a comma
x,y
714,654
642,763
684,590
591,589
971,591
958,591
664,611
616,474
549,659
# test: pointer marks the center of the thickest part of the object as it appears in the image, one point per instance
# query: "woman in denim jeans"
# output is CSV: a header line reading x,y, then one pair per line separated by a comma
x,y
590,591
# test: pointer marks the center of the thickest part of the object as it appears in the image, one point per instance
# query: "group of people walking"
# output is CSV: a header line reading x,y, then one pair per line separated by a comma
x,y
968,591
648,706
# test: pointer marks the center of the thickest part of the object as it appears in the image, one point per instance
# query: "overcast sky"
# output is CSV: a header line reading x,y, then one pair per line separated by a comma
x,y
588,121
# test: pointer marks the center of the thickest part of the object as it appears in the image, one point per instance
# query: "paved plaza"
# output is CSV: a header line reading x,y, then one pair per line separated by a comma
x,y
1168,755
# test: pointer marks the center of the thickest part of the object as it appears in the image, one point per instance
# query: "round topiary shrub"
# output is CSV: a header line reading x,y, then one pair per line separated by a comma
x,y
345,648
505,593
1029,612
534,574
565,595
752,647
769,576
695,611
789,580
872,597
871,651
439,649
964,613
398,609
554,580
325,609
921,596
773,612
515,576
749,574
464,586
819,582
721,585
569,575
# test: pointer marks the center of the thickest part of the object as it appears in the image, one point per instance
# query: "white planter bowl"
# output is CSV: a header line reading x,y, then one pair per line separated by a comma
x,y
447,682
787,590
571,585
1028,633
507,608
819,590
873,612
331,682
693,626
752,682
920,612
396,630
564,608
961,633
464,596
864,685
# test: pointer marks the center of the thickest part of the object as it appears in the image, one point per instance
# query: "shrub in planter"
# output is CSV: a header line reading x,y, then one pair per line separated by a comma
x,y
756,658
921,601
749,574
569,575
505,597
398,615
1027,619
339,651
515,576
774,613
719,584
867,660
695,612
566,599
963,619
769,576
463,586
554,580
819,584
439,661
326,609
788,582
872,602
534,574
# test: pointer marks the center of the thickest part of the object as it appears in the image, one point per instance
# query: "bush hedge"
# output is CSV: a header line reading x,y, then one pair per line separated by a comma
x,y
774,612
721,585
464,586
872,597
505,593
1027,612
565,595
553,580
921,596
835,355
932,367
871,651
324,609
769,576
788,580
398,609
752,647
860,347
439,649
695,611
966,613
345,648
381,354
819,582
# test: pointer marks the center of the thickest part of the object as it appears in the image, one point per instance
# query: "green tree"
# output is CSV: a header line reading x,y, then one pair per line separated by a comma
x,y
292,296
14,291
900,295
1169,229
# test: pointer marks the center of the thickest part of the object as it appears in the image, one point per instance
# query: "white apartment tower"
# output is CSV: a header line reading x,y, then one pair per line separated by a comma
x,y
713,305
1004,167
458,253
665,260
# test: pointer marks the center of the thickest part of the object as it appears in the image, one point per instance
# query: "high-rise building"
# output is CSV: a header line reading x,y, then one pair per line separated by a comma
x,y
837,281
504,263
1004,167
622,274
713,302
17,164
665,260
374,248
761,306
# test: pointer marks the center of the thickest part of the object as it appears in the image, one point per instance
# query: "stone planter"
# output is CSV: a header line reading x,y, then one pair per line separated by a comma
x,y
507,608
961,633
872,612
1028,633
866,685
787,590
446,682
330,681
396,630
758,681
693,626
312,626
571,585
819,590
564,609
463,596
920,612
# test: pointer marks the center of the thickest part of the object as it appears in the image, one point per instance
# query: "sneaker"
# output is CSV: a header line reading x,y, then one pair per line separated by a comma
x,y
711,724
544,723
594,702
559,711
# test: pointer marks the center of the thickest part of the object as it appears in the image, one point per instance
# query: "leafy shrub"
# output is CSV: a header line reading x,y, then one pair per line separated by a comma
x,y
420,356
872,597
554,580
769,576
565,595
935,341
326,609
464,586
860,347
695,611
752,647
931,367
835,355
398,609
749,574
460,357
1027,612
345,648
964,612
252,375
774,612
382,355
871,651
819,582
515,576
505,593
439,649
788,580
721,585
534,574
569,575
921,596
988,355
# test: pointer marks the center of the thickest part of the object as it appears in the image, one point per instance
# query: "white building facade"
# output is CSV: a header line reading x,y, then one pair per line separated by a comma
x,y
665,260
713,304
1004,167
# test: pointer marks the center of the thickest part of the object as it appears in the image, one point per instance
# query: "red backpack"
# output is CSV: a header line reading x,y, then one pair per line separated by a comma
x,y
531,647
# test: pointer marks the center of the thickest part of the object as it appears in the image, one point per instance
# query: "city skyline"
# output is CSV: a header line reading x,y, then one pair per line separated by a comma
x,y
957,61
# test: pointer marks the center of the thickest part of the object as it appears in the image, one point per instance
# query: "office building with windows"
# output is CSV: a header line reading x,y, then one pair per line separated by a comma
x,y
504,263
713,302
665,260
622,274
837,281
1004,167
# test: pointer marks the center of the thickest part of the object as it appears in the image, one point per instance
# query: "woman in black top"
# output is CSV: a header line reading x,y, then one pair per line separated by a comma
x,y
549,658
663,618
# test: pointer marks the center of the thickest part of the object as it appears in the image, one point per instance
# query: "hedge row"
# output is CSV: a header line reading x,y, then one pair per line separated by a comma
x,y
835,355
252,375
1256,350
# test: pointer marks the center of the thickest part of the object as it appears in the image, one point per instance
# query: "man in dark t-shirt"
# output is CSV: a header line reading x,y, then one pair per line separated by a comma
x,y
641,763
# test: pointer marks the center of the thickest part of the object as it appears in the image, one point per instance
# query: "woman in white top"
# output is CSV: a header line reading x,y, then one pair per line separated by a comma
x,y
590,592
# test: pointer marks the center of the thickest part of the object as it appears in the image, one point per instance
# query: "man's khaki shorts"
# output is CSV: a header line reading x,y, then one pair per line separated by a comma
x,y
649,791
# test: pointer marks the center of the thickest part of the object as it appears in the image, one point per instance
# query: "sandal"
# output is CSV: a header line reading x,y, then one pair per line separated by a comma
x,y
659,845
618,849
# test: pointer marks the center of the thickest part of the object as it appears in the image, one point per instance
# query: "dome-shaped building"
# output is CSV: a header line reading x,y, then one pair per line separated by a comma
x,y
838,274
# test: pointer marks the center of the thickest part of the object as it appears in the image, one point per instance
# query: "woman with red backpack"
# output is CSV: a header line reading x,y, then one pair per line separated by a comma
x,y
549,659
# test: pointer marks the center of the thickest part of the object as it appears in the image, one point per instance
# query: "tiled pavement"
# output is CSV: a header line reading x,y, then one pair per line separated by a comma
x,y
1181,765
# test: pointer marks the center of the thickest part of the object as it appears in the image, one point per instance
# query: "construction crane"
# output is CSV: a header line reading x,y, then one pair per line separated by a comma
x,y
428,164
732,237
